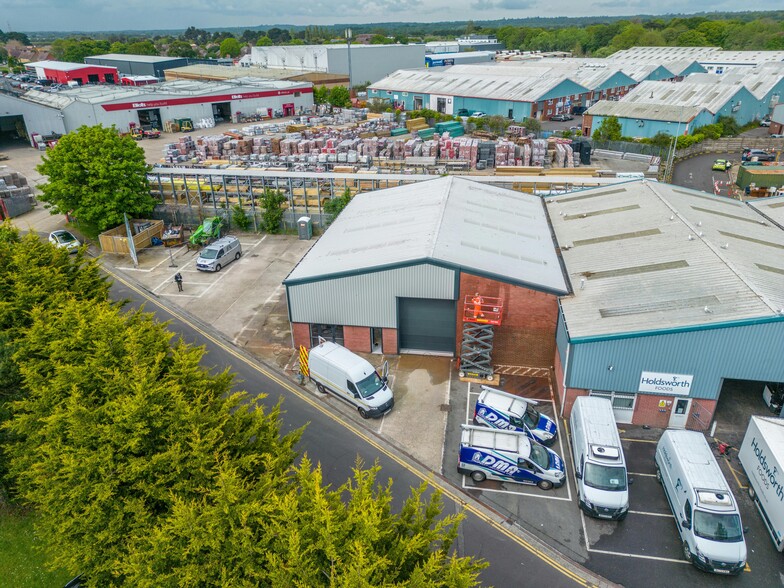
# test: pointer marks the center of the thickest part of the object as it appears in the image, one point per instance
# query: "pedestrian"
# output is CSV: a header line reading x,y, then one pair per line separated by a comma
x,y
178,279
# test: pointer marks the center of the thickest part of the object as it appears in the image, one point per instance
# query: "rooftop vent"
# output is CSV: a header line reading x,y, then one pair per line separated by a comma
x,y
604,452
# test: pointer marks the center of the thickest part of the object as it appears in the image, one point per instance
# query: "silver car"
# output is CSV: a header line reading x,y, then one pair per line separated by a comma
x,y
218,253
65,240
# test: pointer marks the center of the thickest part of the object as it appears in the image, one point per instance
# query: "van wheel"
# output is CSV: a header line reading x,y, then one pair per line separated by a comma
x,y
239,254
461,374
218,267
545,484
478,476
752,494
686,551
658,475
363,413
321,388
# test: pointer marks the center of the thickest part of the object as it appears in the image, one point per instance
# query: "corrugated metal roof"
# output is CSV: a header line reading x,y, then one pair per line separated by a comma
x,y
667,100
477,80
773,208
644,256
62,65
448,220
758,81
660,54
103,93
136,58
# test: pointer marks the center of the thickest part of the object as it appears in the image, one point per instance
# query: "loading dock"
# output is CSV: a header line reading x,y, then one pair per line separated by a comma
x,y
427,324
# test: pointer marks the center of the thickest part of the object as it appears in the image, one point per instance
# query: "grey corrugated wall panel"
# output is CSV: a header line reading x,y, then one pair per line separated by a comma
x,y
561,336
752,352
368,299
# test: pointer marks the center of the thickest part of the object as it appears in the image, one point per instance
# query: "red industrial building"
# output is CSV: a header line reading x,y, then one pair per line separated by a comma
x,y
62,72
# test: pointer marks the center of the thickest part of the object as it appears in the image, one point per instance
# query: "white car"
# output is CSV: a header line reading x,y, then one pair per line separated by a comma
x,y
65,240
478,114
765,123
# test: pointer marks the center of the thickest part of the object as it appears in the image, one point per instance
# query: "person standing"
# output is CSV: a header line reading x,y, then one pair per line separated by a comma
x,y
178,279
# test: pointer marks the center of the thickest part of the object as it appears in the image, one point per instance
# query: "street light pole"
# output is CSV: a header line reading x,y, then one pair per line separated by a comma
x,y
348,41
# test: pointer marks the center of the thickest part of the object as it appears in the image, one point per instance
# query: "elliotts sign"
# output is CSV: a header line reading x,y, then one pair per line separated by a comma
x,y
200,99
665,383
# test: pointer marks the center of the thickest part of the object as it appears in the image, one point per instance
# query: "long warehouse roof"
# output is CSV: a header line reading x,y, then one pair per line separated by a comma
x,y
645,257
447,221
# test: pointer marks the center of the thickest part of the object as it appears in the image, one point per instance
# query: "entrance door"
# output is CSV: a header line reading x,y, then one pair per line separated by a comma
x,y
441,105
375,339
417,102
622,403
680,413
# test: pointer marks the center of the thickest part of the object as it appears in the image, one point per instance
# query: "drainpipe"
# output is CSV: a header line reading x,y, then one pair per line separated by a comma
x,y
565,372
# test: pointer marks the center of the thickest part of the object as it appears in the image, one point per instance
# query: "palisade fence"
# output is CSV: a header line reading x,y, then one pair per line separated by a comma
x,y
729,145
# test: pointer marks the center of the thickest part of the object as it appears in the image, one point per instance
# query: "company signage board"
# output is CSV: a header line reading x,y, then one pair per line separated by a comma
x,y
676,384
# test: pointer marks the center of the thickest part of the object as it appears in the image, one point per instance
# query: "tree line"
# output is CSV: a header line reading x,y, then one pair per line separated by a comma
x,y
144,468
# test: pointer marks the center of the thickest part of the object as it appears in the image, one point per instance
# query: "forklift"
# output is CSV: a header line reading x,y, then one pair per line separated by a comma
x,y
186,124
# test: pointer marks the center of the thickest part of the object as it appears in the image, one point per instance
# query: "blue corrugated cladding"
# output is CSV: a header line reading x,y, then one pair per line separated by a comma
x,y
520,110
660,73
743,107
695,67
750,352
565,88
617,80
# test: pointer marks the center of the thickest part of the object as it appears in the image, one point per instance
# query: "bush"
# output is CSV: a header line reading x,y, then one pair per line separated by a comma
x,y
273,213
713,131
239,218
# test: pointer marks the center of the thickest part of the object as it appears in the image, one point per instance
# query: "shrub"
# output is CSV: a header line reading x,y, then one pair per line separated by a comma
x,y
239,218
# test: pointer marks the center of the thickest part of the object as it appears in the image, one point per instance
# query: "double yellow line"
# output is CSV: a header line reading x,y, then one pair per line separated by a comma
x,y
430,479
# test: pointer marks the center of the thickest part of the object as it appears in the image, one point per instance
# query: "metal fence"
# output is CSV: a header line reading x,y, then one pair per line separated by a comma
x,y
627,147
730,145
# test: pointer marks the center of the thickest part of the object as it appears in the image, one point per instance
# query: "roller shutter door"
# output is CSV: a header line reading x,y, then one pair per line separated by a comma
x,y
427,325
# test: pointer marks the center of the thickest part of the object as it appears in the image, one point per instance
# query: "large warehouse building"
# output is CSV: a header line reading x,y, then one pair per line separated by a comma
x,y
137,65
369,63
648,294
62,72
47,113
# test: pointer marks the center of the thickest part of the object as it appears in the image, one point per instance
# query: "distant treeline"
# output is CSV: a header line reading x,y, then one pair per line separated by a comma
x,y
591,36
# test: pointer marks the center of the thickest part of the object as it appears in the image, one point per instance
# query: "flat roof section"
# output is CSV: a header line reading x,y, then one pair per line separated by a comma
x,y
644,256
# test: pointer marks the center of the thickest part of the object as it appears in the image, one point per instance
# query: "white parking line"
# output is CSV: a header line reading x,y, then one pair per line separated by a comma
x,y
644,475
383,417
653,557
651,514
156,266
483,489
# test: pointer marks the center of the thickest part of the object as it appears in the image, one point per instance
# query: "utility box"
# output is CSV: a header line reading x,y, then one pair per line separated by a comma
x,y
305,228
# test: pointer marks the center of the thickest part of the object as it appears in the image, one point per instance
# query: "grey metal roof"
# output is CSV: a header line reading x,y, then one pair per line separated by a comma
x,y
479,80
644,256
759,80
662,54
449,221
669,101
136,58
773,208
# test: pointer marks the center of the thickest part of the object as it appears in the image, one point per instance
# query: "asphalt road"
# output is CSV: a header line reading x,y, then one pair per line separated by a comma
x,y
336,444
696,173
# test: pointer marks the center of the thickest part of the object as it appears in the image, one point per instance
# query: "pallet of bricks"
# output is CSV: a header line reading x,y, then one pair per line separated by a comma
x,y
564,155
183,150
458,149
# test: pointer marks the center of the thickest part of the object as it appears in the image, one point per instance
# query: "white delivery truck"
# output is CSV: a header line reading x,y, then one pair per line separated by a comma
x,y
508,456
705,510
337,370
762,456
599,464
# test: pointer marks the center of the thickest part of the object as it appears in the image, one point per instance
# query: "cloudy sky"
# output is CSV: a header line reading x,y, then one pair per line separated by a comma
x,y
102,15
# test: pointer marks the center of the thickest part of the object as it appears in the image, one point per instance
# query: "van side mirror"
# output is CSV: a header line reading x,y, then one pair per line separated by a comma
x,y
745,530
630,481
685,524
578,475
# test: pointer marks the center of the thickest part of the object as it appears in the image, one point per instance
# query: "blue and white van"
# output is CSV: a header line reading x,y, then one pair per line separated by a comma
x,y
501,410
508,456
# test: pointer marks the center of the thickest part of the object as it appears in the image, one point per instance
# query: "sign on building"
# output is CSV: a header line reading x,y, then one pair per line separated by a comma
x,y
678,384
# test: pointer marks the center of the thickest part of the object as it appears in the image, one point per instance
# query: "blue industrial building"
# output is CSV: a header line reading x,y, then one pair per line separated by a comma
x,y
674,293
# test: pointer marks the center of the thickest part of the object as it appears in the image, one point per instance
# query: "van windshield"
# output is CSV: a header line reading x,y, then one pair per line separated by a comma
x,y
604,477
209,254
531,418
370,385
718,527
540,456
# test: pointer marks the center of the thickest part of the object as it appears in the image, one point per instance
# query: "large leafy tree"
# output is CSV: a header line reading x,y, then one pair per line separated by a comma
x,y
608,130
339,96
98,175
119,429
230,47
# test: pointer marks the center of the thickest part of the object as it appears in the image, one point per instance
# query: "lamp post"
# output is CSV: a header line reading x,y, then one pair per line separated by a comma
x,y
348,41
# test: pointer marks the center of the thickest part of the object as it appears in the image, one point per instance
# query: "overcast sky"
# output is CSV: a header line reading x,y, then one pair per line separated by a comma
x,y
105,15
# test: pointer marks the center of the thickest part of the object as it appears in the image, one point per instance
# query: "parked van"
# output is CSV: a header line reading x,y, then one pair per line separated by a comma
x,y
599,465
508,456
501,410
349,377
705,510
219,253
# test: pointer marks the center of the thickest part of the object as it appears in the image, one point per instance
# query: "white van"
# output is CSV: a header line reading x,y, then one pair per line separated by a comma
x,y
599,465
219,253
349,377
705,510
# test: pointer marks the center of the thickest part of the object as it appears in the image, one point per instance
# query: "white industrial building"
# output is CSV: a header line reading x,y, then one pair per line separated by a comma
x,y
369,63
713,59
47,113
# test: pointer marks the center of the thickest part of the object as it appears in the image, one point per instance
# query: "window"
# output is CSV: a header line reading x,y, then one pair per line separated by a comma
x,y
297,94
687,512
622,402
332,333
351,387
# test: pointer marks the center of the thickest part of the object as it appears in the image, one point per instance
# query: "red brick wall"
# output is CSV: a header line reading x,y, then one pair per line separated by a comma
x,y
647,411
357,339
389,341
587,124
701,414
571,395
301,334
526,336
